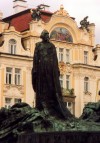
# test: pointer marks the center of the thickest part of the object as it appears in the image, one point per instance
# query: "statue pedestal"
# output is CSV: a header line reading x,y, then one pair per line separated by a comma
x,y
61,137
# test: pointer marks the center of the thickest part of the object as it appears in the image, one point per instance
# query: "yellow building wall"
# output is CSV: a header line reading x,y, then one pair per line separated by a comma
x,y
82,41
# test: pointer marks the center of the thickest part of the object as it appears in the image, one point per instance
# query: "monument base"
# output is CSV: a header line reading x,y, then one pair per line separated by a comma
x,y
61,137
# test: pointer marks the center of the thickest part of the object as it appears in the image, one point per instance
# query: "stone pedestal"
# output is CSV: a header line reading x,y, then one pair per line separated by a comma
x,y
61,137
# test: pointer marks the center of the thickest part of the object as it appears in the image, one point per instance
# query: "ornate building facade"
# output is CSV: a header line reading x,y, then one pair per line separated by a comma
x,y
79,69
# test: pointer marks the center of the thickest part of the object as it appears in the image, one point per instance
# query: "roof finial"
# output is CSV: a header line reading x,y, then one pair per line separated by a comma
x,y
61,7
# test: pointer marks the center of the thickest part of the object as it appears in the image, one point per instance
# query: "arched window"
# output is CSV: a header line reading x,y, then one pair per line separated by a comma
x,y
61,34
12,46
86,84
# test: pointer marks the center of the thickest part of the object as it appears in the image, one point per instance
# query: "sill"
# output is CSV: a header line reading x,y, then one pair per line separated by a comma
x,y
13,85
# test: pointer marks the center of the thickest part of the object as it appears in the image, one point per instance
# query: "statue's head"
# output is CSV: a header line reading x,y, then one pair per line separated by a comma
x,y
45,35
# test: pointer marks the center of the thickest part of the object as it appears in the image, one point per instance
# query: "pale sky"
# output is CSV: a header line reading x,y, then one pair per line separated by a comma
x,y
76,8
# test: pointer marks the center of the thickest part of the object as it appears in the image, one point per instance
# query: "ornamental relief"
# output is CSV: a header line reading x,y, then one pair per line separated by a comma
x,y
64,68
13,90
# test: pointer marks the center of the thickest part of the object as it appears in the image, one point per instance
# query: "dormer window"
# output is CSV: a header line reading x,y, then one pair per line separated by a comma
x,y
12,46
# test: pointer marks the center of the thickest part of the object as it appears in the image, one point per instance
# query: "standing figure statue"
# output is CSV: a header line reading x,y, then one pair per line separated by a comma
x,y
45,78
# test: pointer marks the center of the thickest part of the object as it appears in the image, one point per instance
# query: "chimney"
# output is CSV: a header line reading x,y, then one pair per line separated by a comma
x,y
19,5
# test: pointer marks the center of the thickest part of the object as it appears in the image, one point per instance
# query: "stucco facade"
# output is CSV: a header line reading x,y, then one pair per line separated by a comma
x,y
78,69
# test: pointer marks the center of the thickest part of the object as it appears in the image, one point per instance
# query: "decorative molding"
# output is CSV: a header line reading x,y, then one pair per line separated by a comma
x,y
62,67
61,12
65,68
13,90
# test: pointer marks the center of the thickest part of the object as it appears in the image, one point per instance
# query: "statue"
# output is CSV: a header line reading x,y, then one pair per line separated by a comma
x,y
91,112
45,78
84,23
36,14
50,114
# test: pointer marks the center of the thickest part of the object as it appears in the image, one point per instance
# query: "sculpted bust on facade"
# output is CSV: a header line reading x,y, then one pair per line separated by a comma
x,y
45,78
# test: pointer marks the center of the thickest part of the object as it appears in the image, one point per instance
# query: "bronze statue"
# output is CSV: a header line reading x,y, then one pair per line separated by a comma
x,y
84,23
36,14
45,78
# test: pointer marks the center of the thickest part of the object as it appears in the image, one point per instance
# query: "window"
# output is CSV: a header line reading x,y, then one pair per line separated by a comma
x,y
85,57
17,100
8,102
70,107
17,76
67,81
61,81
60,54
8,75
86,84
13,76
12,46
67,56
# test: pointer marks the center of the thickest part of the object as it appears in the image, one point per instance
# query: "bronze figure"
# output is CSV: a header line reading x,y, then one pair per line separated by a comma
x,y
84,23
45,78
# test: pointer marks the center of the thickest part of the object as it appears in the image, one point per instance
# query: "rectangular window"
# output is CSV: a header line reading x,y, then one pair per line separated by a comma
x,y
86,84
70,107
8,102
61,81
17,76
60,54
8,75
67,81
67,56
12,49
85,57
17,100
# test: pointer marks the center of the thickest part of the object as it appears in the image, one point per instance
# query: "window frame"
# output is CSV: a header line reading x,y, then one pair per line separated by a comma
x,y
86,84
9,76
86,57
68,82
61,80
61,54
12,46
67,56
17,79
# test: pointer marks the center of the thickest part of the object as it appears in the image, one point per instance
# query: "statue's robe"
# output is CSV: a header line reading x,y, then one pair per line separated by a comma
x,y
45,80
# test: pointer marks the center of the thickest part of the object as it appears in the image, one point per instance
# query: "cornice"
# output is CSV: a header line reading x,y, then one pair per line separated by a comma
x,y
80,65
16,56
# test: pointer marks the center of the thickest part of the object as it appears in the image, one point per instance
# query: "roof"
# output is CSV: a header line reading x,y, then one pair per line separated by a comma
x,y
21,20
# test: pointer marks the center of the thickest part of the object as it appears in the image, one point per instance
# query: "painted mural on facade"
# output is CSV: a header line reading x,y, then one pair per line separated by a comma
x,y
61,34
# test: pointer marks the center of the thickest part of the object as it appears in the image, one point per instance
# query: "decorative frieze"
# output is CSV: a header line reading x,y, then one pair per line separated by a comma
x,y
11,90
65,68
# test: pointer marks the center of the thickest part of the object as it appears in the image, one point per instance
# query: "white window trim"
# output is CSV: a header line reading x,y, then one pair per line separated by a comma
x,y
12,47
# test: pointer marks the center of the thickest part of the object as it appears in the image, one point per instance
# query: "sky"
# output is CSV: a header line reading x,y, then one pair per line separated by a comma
x,y
76,8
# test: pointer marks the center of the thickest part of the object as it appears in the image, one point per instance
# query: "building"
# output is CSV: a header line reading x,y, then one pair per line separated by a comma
x,y
78,58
